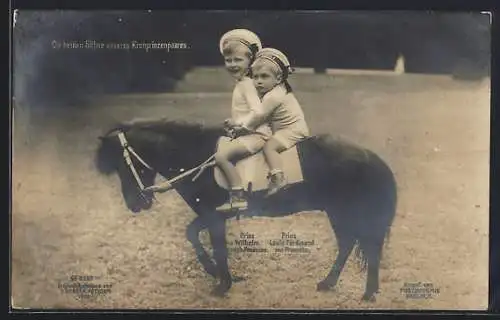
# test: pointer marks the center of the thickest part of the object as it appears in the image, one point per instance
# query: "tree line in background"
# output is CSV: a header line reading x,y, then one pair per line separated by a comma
x,y
451,43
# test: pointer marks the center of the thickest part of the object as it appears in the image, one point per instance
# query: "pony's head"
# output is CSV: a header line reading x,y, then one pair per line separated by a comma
x,y
168,148
134,175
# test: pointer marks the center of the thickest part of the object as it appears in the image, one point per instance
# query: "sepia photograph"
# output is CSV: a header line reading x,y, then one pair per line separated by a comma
x,y
250,160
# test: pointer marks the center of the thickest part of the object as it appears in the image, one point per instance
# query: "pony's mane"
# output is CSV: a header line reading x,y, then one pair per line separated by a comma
x,y
179,127
180,124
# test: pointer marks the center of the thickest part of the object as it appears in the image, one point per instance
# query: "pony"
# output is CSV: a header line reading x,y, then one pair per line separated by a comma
x,y
352,184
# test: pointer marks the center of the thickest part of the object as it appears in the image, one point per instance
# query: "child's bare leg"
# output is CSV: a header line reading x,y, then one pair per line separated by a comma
x,y
272,151
224,160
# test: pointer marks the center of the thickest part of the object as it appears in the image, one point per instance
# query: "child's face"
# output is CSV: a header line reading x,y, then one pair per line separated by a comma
x,y
237,62
265,78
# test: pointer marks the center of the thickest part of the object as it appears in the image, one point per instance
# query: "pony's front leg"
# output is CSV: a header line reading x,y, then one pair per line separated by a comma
x,y
217,231
193,236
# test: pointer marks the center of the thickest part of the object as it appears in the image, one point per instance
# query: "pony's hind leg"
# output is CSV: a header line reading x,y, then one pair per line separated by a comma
x,y
373,252
345,243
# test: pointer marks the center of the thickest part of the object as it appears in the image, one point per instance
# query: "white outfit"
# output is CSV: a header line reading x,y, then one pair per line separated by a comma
x,y
245,102
285,115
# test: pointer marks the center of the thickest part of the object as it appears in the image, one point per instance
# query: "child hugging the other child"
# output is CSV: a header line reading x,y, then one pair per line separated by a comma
x,y
270,72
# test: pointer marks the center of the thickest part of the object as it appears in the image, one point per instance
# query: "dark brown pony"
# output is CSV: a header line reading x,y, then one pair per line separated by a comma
x,y
351,184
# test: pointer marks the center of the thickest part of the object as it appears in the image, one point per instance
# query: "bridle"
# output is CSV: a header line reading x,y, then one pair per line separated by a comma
x,y
128,151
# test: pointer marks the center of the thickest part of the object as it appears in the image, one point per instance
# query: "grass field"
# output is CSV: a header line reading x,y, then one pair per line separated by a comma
x,y
432,131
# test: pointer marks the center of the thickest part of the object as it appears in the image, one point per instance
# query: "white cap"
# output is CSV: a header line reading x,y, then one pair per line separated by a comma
x,y
277,57
246,37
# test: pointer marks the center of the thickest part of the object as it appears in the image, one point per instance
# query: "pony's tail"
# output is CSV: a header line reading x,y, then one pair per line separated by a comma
x,y
360,256
361,247
387,238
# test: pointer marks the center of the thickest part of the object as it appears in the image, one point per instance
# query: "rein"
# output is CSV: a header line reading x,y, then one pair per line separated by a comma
x,y
128,150
168,184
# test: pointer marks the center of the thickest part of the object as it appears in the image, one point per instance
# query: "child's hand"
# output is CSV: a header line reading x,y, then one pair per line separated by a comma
x,y
229,123
229,132
240,131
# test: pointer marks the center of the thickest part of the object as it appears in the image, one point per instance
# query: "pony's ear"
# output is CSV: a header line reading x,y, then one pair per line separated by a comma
x,y
110,133
105,136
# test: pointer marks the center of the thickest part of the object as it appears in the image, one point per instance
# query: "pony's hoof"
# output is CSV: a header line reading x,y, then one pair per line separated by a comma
x,y
369,298
220,291
210,269
324,286
238,279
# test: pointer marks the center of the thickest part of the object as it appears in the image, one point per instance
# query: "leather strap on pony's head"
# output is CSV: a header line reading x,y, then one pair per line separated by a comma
x,y
111,132
114,131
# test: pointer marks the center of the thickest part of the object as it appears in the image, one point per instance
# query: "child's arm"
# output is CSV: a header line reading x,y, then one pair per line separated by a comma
x,y
260,110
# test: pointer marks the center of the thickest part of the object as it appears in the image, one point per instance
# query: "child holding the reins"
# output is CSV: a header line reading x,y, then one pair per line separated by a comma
x,y
270,72
239,48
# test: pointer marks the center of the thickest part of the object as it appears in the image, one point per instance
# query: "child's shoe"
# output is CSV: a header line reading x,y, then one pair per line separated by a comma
x,y
277,181
235,202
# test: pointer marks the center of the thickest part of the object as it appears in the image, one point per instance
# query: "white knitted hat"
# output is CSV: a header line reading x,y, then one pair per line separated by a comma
x,y
277,57
244,36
